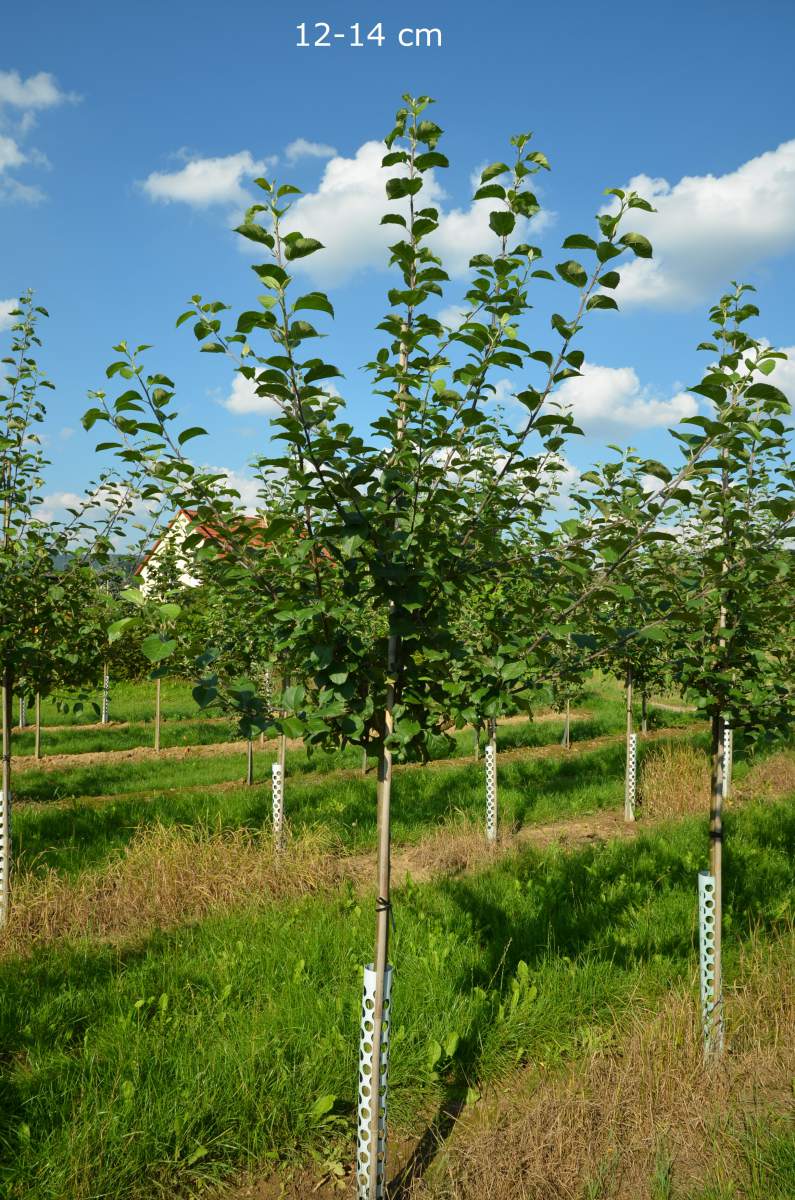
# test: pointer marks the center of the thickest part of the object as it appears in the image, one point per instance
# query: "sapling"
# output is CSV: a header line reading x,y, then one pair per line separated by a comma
x,y
378,542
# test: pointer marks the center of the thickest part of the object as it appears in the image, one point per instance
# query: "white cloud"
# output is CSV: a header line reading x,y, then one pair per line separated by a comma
x,y
243,399
203,182
345,211
452,316
36,92
10,154
27,96
782,377
244,484
6,306
54,506
710,229
301,148
613,396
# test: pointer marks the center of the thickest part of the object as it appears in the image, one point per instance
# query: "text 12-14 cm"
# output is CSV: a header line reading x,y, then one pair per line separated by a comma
x,y
322,35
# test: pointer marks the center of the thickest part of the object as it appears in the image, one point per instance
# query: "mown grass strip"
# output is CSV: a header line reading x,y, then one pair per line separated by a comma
x,y
83,834
162,1063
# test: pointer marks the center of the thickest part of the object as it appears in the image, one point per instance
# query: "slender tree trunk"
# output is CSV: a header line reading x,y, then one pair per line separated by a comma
x,y
477,742
157,715
383,907
37,736
644,722
629,810
364,760
716,867
249,762
23,711
5,798
567,727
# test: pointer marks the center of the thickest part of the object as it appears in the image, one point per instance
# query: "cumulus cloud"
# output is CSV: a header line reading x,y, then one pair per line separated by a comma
x,y
204,182
345,211
6,308
613,396
24,98
245,485
301,148
783,376
709,229
55,506
243,399
36,92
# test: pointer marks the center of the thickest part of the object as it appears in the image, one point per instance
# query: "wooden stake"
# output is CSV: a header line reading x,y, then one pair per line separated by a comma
x,y
37,736
6,700
383,907
249,762
567,727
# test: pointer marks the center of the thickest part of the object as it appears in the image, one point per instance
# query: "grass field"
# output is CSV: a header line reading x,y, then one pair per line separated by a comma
x,y
180,1006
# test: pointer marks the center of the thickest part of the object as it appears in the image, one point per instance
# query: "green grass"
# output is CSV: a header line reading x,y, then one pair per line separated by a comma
x,y
130,1072
76,740
531,790
183,724
128,702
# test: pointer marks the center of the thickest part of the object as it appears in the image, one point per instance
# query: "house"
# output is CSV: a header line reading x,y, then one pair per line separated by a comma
x,y
169,555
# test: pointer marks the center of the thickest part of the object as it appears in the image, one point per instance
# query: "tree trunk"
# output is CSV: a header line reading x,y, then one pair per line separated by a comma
x,y
23,711
716,869
157,715
105,695
477,742
383,909
249,762
644,723
364,760
5,795
629,805
567,727
37,736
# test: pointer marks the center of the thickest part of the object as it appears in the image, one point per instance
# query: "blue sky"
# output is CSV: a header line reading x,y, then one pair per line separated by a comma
x,y
128,136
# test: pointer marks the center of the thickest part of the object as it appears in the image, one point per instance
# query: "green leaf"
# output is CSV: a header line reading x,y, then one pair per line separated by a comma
x,y
579,241
322,1107
572,272
496,168
317,301
502,223
601,302
255,233
637,242
296,246
156,648
187,434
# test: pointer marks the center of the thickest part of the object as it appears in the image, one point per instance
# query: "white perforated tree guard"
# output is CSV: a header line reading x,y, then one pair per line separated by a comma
x,y
631,778
105,697
491,791
370,1160
5,855
711,1019
278,804
728,748
23,712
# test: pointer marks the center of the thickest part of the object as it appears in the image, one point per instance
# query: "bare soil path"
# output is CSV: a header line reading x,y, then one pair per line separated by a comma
x,y
586,746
